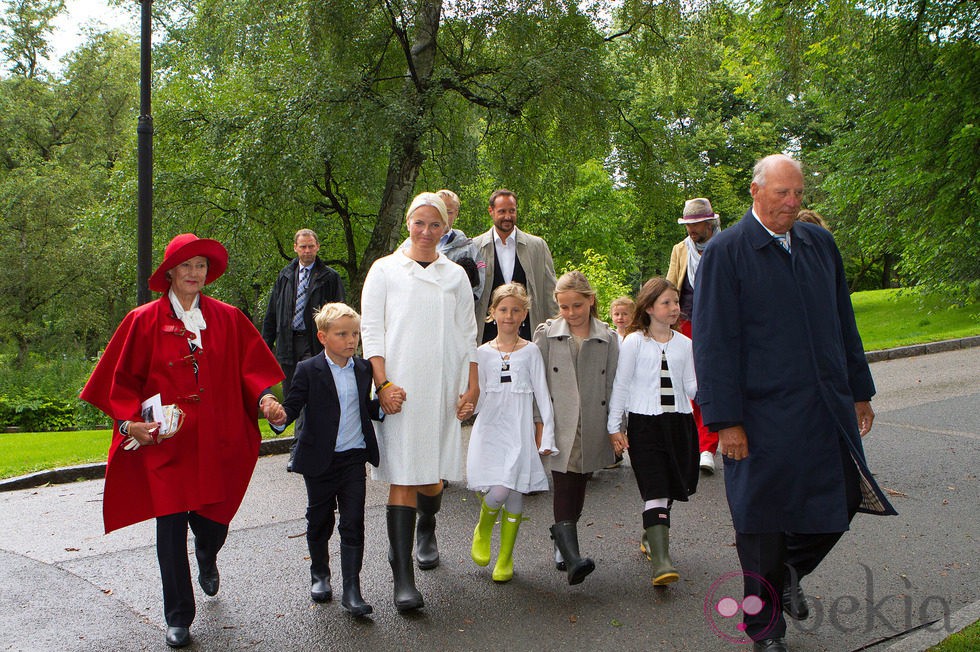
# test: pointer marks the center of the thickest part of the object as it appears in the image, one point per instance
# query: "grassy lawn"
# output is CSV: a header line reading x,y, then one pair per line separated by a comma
x,y
967,640
890,318
27,452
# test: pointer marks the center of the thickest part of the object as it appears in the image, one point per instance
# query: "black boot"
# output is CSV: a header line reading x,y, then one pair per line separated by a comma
x,y
320,590
351,558
401,533
208,576
426,549
565,535
292,455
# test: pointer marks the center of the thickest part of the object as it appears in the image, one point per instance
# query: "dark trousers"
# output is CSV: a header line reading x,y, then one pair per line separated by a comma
x,y
342,486
781,558
569,495
301,351
175,571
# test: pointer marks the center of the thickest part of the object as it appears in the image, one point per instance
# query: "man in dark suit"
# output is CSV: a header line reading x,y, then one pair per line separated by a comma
x,y
301,288
331,450
783,379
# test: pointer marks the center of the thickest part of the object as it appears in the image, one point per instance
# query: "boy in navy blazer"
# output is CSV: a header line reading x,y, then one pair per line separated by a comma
x,y
336,441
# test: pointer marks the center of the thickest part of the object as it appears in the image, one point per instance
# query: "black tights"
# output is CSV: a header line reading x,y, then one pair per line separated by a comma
x,y
569,495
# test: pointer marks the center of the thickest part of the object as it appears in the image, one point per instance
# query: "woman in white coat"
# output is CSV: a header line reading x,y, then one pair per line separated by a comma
x,y
419,334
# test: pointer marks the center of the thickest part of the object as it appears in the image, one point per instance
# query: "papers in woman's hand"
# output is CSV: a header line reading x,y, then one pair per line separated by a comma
x,y
170,417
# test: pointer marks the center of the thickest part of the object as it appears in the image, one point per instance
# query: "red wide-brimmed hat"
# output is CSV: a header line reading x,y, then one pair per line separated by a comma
x,y
184,247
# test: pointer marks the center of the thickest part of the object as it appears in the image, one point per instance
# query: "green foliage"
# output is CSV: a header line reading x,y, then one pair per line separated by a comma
x,y
43,394
608,283
29,23
36,413
604,119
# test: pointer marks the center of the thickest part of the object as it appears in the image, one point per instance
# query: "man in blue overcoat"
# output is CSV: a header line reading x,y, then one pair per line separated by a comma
x,y
783,379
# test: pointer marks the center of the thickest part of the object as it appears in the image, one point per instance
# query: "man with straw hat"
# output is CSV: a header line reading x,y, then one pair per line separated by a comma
x,y
701,223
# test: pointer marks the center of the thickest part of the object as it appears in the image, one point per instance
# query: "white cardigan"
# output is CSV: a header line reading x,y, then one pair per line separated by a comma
x,y
637,385
420,320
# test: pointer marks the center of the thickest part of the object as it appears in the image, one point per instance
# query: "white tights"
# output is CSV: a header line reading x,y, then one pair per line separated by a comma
x,y
655,503
513,501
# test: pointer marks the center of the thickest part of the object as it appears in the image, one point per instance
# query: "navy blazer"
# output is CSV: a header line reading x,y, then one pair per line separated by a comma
x,y
313,388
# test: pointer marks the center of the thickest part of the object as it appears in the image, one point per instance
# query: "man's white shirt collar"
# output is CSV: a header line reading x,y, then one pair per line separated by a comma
x,y
771,232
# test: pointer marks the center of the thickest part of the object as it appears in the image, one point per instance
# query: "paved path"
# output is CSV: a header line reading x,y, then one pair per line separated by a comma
x,y
66,586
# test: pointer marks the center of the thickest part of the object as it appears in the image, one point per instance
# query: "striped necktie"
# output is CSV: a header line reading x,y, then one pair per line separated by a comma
x,y
782,240
301,296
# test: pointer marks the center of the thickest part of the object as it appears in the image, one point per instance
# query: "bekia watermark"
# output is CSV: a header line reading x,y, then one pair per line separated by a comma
x,y
725,604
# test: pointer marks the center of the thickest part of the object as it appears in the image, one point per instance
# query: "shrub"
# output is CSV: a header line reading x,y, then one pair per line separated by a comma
x,y
35,413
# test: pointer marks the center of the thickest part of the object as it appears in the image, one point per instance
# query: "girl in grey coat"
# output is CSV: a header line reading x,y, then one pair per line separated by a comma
x,y
580,354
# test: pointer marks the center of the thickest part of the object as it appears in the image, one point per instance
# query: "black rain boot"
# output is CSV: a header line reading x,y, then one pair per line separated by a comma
x,y
320,590
351,558
426,549
401,533
565,535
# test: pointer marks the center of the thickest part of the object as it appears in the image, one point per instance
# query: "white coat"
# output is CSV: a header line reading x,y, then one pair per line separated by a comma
x,y
420,320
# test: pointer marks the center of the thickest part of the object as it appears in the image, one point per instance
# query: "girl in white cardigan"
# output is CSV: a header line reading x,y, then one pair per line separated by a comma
x,y
654,384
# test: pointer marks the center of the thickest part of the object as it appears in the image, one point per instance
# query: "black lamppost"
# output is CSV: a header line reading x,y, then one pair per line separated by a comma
x,y
144,165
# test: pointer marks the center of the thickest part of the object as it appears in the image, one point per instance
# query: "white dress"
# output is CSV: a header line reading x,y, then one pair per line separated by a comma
x,y
502,450
420,320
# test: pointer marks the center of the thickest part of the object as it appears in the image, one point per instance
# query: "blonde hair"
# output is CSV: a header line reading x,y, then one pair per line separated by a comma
x,y
448,195
515,290
575,281
811,217
428,199
331,312
622,301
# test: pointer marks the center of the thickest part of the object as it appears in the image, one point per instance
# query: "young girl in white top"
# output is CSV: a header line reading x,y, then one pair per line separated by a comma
x,y
654,384
621,313
505,445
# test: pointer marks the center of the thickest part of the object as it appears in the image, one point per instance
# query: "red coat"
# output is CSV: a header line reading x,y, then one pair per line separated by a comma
x,y
207,465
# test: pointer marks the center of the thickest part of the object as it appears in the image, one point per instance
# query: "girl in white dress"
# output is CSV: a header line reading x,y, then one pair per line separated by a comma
x,y
505,445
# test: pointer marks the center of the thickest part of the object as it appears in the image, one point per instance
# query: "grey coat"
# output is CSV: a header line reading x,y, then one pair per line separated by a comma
x,y
585,394
535,257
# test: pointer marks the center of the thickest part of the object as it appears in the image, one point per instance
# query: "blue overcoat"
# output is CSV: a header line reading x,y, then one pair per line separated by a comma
x,y
777,350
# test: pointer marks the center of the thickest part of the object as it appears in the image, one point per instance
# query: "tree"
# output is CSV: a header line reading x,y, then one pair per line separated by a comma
x,y
28,24
59,141
903,175
280,115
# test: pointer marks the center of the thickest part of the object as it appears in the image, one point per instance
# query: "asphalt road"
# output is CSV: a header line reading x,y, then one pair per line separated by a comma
x,y
66,586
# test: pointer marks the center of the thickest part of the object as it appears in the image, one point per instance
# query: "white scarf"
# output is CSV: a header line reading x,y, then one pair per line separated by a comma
x,y
193,319
693,259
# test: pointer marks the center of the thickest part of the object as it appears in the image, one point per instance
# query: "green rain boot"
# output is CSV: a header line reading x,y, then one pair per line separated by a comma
x,y
657,548
503,570
480,550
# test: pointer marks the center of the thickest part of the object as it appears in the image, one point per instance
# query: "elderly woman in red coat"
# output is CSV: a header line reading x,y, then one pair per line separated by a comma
x,y
205,358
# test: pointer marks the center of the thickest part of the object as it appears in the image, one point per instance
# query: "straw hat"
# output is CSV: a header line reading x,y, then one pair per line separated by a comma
x,y
697,210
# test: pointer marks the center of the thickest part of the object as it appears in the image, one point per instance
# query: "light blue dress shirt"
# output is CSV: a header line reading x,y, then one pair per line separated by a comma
x,y
349,435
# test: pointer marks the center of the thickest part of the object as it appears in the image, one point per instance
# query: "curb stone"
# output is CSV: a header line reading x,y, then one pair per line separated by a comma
x,y
927,638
